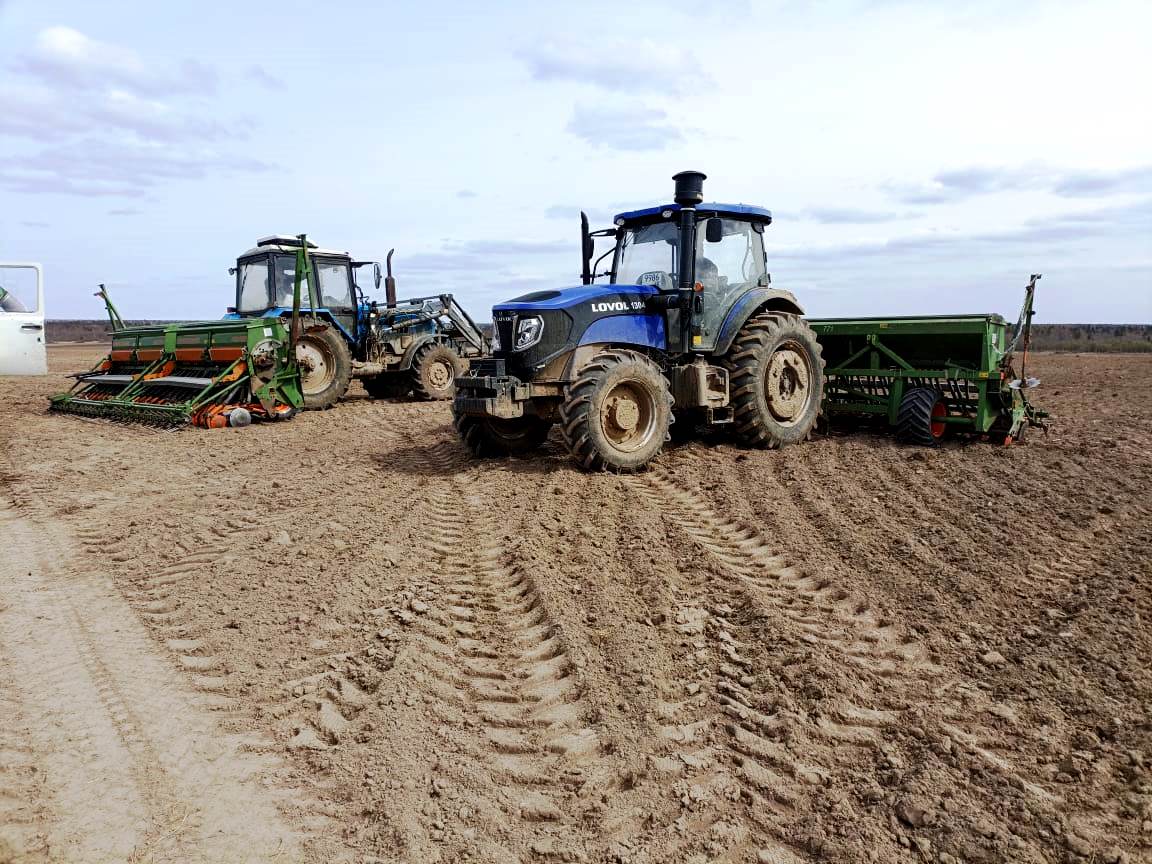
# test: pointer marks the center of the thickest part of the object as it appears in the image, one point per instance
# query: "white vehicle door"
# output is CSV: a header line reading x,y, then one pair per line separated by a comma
x,y
22,348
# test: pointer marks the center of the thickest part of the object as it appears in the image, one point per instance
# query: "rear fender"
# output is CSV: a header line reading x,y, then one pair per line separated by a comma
x,y
319,314
755,301
418,343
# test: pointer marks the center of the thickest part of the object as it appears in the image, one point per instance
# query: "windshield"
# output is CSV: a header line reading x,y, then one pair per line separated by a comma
x,y
647,256
252,280
259,289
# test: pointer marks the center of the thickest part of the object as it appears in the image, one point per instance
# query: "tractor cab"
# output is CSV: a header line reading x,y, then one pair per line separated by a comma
x,y
728,258
266,276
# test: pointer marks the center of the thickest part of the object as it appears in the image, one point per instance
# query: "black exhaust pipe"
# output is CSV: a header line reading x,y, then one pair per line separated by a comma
x,y
689,193
390,282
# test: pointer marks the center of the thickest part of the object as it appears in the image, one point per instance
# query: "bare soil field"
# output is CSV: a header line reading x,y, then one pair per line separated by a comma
x,y
342,639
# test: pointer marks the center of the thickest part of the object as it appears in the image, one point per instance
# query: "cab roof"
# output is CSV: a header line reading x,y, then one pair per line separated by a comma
x,y
285,243
743,212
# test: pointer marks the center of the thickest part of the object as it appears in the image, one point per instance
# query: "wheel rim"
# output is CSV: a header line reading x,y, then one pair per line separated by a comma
x,y
788,384
628,416
317,367
939,412
440,374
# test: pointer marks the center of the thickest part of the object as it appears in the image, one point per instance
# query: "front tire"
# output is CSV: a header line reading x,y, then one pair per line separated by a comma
x,y
325,365
435,369
616,414
777,380
489,437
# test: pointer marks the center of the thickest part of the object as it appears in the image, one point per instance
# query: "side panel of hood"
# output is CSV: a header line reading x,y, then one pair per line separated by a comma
x,y
566,298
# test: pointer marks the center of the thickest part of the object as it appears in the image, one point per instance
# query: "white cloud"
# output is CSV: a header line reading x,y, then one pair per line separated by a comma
x,y
67,58
623,127
109,124
629,66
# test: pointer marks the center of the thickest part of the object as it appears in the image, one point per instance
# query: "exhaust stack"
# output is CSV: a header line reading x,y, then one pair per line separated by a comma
x,y
390,282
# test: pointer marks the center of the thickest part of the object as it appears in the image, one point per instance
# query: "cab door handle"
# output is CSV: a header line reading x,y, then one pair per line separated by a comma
x,y
31,326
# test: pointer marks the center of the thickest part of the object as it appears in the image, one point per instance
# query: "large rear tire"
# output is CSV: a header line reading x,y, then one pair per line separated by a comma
x,y
489,437
435,369
920,419
325,365
616,414
776,374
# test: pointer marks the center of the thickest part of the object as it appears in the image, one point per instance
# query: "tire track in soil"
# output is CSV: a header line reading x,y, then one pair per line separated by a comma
x,y
1059,580
154,777
24,816
497,661
882,648
155,597
722,612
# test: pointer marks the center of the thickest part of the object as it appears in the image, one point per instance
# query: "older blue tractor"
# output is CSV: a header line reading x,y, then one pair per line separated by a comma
x,y
686,327
396,348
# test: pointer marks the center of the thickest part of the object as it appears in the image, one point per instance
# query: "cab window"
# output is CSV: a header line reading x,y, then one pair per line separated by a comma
x,y
736,261
253,280
335,284
725,270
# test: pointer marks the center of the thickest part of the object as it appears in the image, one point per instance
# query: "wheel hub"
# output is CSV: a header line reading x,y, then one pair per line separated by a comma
x,y
623,413
786,384
316,374
440,375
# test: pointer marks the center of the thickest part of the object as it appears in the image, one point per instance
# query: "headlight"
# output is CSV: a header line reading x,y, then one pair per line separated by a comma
x,y
528,332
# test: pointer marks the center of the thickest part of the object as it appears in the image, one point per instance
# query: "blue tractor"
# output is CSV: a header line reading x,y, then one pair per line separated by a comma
x,y
686,328
397,348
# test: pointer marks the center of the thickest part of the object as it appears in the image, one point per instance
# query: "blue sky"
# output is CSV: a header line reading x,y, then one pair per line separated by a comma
x,y
919,157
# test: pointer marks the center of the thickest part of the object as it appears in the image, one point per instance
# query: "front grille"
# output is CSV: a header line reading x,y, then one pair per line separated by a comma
x,y
522,364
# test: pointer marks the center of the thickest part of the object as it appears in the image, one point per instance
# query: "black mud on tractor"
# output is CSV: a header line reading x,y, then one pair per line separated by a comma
x,y
684,327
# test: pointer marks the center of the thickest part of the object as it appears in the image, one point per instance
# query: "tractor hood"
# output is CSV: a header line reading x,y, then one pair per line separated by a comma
x,y
567,298
534,329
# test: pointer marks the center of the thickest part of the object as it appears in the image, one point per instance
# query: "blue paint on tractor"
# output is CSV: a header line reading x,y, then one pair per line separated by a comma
x,y
321,313
566,298
646,330
744,212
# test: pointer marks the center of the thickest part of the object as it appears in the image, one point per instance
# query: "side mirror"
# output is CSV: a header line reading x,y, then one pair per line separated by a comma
x,y
714,230
376,273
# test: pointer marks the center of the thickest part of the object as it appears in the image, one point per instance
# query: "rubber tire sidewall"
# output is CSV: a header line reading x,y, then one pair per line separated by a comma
x,y
580,413
425,357
914,417
747,363
489,437
342,357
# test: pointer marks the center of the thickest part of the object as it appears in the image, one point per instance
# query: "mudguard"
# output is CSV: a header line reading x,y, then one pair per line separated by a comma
x,y
417,344
321,313
756,300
